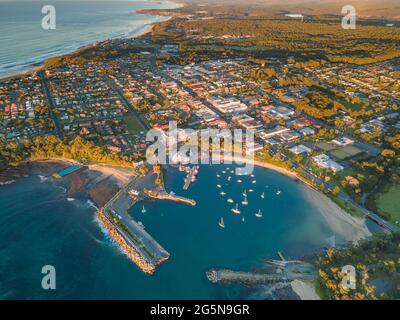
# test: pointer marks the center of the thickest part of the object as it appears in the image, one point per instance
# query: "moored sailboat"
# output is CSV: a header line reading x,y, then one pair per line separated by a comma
x,y
236,209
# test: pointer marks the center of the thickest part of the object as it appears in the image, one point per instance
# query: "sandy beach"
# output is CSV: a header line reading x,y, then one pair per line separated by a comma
x,y
304,290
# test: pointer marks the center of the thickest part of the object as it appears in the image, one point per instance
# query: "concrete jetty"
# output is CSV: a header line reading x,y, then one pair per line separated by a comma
x,y
191,177
163,195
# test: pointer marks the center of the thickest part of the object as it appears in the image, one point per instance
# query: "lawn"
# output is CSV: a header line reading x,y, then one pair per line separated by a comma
x,y
133,124
388,201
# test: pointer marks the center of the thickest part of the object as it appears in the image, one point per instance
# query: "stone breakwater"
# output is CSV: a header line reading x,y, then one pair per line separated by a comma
x,y
127,248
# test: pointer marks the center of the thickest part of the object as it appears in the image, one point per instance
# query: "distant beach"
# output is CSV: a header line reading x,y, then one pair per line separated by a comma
x,y
76,29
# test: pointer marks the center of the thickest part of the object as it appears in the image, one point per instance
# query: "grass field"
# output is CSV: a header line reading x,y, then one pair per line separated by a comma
x,y
133,124
388,201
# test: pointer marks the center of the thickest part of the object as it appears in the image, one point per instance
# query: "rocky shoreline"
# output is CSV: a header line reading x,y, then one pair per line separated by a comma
x,y
126,248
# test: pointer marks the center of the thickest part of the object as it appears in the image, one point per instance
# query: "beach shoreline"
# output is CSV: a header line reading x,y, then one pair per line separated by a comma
x,y
145,29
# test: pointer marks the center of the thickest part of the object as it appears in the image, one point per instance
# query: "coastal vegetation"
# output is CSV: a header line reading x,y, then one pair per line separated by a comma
x,y
318,40
14,153
377,267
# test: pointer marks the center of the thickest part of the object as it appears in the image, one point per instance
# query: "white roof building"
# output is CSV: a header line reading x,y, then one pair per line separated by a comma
x,y
325,162
300,149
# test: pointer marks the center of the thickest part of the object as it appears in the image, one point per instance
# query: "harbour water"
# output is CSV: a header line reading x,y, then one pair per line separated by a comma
x,y
40,226
24,43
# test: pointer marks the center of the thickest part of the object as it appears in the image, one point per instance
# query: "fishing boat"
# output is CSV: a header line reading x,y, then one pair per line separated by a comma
x,y
245,202
278,192
143,210
230,200
221,223
262,195
259,214
244,193
222,193
236,209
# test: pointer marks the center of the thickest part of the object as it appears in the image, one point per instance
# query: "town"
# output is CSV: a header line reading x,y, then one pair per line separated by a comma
x,y
334,124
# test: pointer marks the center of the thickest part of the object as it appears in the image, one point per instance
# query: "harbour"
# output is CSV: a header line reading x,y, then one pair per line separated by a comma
x,y
175,226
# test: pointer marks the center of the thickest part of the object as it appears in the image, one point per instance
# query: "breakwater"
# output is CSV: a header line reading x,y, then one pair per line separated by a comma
x,y
126,246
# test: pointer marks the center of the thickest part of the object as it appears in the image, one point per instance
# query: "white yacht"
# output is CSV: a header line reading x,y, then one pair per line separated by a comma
x,y
221,223
236,209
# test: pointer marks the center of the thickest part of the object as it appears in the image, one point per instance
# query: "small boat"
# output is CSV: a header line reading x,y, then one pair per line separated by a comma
x,y
244,193
259,214
230,200
218,186
233,171
143,210
251,190
218,176
262,195
278,192
254,181
245,202
229,178
222,193
239,181
236,209
221,223
224,171
252,175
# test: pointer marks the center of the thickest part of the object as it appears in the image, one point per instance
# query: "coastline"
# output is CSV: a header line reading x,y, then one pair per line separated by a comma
x,y
145,29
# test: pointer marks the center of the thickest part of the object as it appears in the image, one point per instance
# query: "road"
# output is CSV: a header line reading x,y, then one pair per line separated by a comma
x,y
112,84
51,105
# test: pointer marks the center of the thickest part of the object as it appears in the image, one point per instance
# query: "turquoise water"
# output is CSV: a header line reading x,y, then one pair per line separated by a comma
x,y
23,42
39,226
69,170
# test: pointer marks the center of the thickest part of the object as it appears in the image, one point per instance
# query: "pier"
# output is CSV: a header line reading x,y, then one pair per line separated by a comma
x,y
167,196
191,177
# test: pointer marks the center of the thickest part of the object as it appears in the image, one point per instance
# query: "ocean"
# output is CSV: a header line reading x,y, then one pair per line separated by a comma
x,y
24,43
40,226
